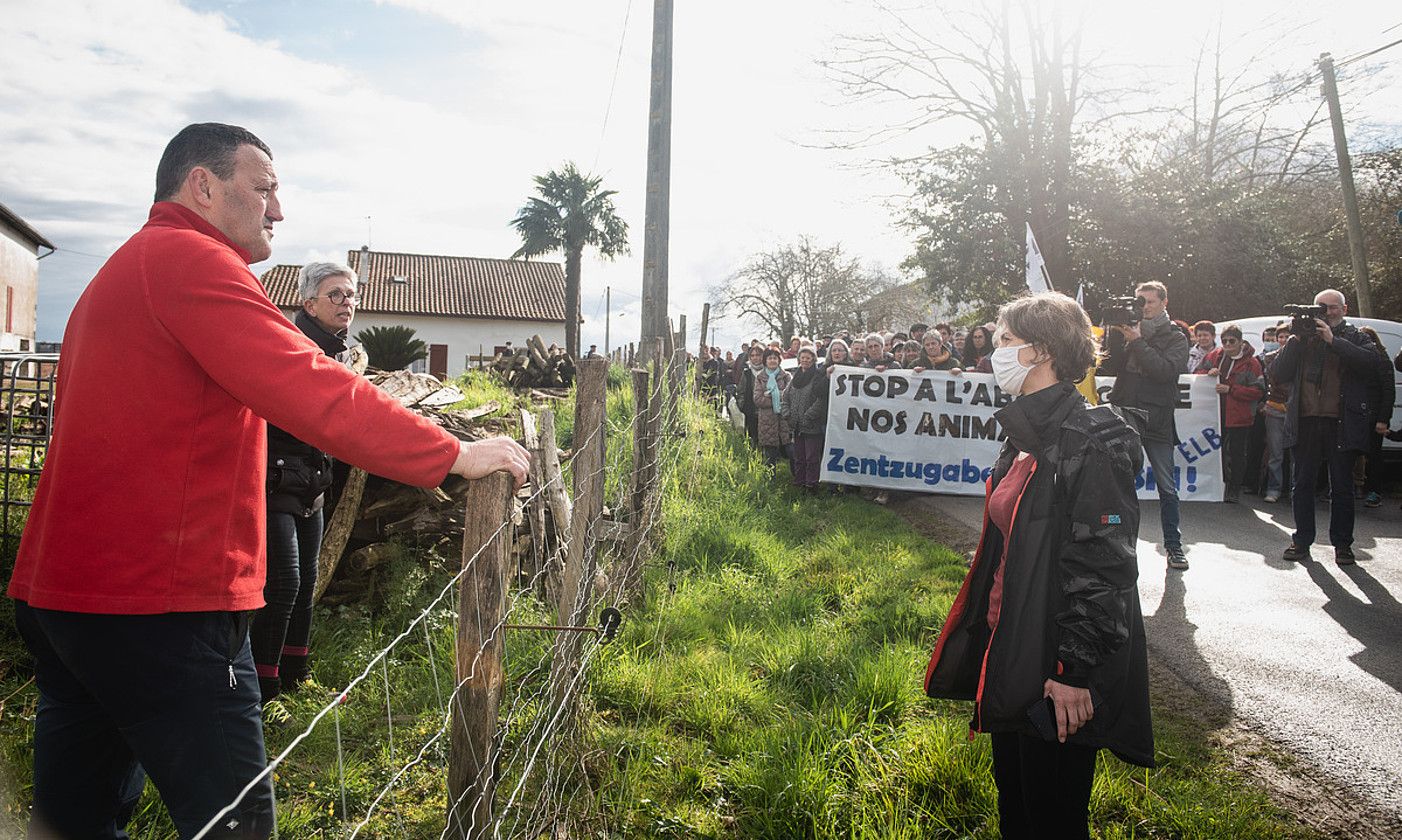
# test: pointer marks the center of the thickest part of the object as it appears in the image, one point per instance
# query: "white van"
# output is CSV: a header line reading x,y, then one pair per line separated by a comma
x,y
1389,331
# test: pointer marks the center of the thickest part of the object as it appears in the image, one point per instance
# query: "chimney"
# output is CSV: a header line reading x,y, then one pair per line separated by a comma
x,y
364,271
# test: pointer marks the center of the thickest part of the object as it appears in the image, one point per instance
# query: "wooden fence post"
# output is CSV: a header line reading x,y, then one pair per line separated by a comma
x,y
558,497
587,469
705,354
477,700
535,513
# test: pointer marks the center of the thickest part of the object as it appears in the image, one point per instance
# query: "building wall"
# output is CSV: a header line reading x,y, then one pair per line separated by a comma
x,y
464,336
19,271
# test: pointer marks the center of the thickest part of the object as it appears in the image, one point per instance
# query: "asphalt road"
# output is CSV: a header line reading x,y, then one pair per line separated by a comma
x,y
1308,655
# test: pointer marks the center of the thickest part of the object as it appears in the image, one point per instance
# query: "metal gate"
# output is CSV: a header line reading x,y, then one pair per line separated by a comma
x,y
27,409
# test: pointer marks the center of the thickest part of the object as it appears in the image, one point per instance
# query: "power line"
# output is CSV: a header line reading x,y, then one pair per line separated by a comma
x,y
618,62
1354,58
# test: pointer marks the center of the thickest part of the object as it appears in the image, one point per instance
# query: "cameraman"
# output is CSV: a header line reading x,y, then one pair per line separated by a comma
x,y
1145,359
1332,367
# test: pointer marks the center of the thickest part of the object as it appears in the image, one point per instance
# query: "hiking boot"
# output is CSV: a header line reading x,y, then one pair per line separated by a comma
x,y
1372,500
1177,559
1343,555
1271,498
1297,553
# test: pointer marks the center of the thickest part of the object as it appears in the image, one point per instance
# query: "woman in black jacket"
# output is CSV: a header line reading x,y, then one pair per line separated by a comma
x,y
1046,636
298,477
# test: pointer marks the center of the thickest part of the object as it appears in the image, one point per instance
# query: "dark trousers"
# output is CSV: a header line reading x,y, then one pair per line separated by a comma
x,y
1234,445
282,629
1373,470
121,697
1043,787
807,459
752,428
1256,456
1317,445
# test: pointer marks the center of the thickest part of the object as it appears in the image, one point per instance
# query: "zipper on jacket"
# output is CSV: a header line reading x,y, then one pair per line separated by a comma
x,y
1007,550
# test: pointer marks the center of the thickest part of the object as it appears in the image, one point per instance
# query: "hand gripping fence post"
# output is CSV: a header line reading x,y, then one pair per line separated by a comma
x,y
481,607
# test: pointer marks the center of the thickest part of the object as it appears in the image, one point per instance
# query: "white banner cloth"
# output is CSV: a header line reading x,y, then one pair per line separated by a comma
x,y
934,432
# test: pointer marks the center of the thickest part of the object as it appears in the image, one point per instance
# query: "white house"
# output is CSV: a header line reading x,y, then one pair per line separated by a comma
x,y
19,273
463,308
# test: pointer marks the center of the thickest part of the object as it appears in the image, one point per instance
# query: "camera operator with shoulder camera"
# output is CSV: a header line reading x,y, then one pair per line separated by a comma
x,y
1146,357
1332,367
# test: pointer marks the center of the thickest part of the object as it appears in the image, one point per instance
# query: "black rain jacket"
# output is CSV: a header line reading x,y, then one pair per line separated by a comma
x,y
1070,597
1146,377
299,473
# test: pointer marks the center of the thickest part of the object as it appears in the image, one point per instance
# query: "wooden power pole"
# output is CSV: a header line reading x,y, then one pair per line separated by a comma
x,y
659,173
1356,247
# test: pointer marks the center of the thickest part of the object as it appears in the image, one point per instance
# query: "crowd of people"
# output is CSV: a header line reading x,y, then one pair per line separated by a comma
x,y
1286,415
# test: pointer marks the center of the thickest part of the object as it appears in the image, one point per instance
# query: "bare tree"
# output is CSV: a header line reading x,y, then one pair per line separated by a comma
x,y
1014,70
801,289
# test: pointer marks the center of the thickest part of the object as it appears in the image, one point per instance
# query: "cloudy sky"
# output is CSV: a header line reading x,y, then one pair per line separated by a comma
x,y
431,116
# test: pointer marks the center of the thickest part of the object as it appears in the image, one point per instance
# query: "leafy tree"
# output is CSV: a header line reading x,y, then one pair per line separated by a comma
x,y
392,348
570,213
802,289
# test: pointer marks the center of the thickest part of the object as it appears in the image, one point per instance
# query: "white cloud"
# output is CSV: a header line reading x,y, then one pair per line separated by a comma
x,y
440,148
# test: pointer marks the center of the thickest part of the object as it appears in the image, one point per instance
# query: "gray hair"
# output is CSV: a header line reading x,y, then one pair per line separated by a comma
x,y
873,337
309,279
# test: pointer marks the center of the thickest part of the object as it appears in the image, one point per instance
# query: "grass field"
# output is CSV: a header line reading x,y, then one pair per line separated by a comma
x,y
770,687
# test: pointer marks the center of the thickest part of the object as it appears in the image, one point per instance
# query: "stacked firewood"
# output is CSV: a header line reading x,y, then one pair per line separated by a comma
x,y
535,366
371,516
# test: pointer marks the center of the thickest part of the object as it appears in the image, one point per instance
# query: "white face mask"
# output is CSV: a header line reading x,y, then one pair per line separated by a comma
x,y
1008,370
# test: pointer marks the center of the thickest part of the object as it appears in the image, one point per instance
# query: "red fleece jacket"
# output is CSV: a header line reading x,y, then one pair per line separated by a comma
x,y
152,494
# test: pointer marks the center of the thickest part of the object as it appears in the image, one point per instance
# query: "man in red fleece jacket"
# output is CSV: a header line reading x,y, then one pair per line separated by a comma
x,y
144,549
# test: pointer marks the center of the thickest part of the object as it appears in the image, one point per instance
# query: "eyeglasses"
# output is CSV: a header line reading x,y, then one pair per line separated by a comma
x,y
339,297
1226,341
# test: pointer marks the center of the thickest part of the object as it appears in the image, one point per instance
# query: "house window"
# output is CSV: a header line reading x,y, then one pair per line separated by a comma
x,y
24,345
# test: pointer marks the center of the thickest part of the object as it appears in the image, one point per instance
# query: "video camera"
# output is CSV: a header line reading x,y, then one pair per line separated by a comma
x,y
1123,311
1302,318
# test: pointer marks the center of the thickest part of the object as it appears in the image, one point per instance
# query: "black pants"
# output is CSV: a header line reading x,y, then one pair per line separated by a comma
x,y
282,629
1043,787
1234,445
1254,481
752,428
122,697
1317,444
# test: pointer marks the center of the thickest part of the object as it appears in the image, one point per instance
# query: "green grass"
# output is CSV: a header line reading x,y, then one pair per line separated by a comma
x,y
774,693
777,692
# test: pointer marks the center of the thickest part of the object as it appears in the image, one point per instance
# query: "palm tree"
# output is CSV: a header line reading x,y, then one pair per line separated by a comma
x,y
392,348
570,212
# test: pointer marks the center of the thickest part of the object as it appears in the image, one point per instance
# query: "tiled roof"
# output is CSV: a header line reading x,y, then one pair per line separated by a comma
x,y
463,287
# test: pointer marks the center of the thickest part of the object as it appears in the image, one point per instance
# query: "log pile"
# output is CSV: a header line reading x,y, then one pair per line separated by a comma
x,y
373,516
535,366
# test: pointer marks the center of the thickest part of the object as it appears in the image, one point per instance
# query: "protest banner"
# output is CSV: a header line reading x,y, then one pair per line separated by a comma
x,y
934,432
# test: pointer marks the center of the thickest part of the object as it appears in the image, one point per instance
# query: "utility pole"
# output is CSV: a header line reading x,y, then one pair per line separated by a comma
x,y
1356,246
608,313
659,172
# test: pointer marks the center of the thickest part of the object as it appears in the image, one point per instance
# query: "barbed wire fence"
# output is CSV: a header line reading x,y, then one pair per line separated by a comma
x,y
508,640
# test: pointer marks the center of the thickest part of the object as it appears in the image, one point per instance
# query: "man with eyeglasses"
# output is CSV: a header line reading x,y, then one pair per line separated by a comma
x,y
1328,418
144,549
1146,358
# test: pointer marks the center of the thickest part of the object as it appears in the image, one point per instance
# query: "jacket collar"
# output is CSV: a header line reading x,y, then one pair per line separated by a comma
x,y
172,215
1031,422
332,344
